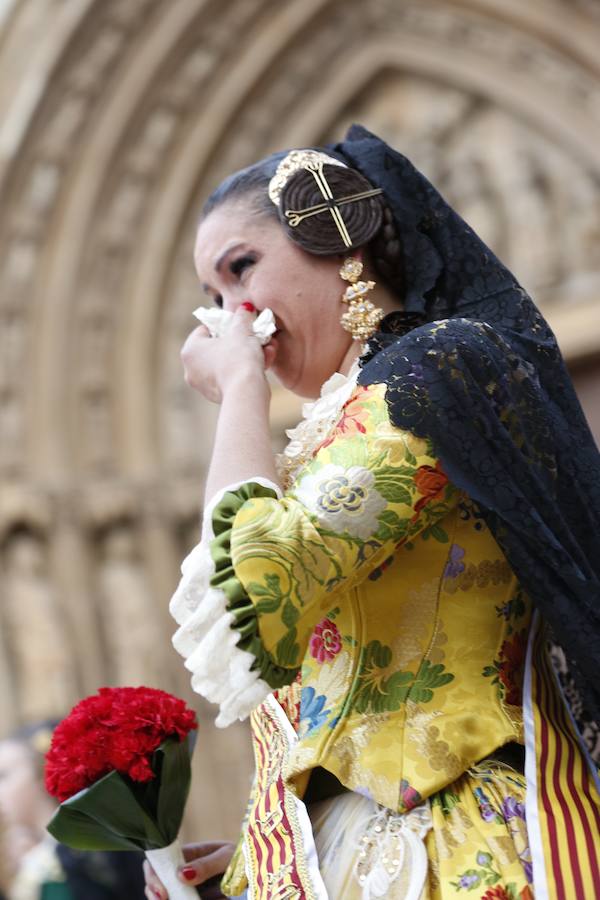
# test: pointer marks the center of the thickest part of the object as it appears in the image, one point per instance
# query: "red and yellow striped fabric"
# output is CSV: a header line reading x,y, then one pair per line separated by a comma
x,y
563,811
281,861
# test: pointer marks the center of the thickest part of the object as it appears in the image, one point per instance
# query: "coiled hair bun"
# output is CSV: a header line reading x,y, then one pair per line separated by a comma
x,y
319,233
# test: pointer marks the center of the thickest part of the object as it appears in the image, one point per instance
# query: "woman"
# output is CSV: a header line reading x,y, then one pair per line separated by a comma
x,y
387,579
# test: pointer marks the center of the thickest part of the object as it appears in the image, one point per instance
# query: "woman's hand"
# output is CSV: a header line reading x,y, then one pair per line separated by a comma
x,y
203,862
214,365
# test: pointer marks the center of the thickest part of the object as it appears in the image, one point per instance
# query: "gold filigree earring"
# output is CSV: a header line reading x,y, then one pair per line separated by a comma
x,y
362,317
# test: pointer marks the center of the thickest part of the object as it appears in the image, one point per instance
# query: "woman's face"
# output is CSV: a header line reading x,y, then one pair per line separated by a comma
x,y
240,256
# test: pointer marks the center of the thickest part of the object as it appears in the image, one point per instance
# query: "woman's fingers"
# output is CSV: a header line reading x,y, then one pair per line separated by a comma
x,y
154,889
204,861
197,851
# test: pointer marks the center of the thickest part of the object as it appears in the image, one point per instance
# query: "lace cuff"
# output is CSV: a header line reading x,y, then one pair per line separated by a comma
x,y
218,633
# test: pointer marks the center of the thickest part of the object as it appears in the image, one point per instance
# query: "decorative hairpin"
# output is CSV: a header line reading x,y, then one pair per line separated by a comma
x,y
313,161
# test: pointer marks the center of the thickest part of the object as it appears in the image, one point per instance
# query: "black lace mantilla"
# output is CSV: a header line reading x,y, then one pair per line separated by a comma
x,y
476,368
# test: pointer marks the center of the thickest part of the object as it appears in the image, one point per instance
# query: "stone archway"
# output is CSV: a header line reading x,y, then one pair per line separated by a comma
x,y
112,134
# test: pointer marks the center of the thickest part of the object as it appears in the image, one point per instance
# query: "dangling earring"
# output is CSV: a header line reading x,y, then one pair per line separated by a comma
x,y
362,317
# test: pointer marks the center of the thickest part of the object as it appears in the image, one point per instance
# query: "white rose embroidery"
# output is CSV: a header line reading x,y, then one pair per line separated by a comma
x,y
343,500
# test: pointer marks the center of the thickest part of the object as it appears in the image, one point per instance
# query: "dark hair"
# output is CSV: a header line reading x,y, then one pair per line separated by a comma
x,y
251,185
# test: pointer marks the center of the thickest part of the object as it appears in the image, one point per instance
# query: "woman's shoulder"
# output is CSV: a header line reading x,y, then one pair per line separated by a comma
x,y
435,351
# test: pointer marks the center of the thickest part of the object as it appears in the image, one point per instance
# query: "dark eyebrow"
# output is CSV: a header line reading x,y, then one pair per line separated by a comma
x,y
220,259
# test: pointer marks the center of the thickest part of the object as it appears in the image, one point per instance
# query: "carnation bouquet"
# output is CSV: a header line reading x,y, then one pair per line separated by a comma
x,y
120,766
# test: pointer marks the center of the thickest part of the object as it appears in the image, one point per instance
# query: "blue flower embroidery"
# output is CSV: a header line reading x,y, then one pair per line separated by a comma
x,y
312,714
455,565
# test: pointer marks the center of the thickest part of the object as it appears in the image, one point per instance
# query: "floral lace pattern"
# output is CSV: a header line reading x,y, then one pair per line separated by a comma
x,y
319,417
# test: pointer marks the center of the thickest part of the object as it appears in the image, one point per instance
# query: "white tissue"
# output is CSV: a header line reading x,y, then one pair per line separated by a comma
x,y
218,321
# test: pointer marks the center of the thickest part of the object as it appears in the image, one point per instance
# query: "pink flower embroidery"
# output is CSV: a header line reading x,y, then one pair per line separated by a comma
x,y
326,641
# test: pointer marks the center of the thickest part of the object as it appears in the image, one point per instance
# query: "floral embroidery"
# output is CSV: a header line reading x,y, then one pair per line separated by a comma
x,y
512,808
507,893
344,500
319,417
312,712
515,608
409,796
473,878
353,418
507,671
455,565
326,641
487,812
430,482
381,688
483,574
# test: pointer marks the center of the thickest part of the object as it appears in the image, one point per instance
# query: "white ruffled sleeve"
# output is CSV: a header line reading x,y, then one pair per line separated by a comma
x,y
222,672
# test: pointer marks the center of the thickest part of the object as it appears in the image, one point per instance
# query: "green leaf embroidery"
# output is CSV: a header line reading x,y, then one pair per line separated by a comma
x,y
289,614
270,594
378,691
391,526
428,678
388,482
437,533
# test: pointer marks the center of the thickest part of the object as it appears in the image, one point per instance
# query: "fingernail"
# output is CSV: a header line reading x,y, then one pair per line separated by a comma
x,y
188,872
248,306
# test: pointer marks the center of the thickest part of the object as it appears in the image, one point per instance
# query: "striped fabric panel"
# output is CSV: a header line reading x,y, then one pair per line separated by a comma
x,y
567,798
276,858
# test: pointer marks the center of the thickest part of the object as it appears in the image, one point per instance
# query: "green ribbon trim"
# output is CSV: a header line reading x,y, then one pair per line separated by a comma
x,y
238,601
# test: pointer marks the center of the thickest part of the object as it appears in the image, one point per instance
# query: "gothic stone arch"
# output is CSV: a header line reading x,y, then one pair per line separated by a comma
x,y
111,134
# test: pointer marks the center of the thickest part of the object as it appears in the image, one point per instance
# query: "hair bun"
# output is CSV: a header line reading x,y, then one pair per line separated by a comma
x,y
319,233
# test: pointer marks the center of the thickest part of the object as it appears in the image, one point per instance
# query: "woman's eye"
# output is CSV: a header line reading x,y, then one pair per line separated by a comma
x,y
218,301
237,266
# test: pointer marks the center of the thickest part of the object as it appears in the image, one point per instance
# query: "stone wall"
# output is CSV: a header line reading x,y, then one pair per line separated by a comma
x,y
116,118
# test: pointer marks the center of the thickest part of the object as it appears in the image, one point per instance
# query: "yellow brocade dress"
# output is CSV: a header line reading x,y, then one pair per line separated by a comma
x,y
373,599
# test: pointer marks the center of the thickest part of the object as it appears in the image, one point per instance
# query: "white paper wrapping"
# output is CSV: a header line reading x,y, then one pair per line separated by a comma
x,y
218,321
165,863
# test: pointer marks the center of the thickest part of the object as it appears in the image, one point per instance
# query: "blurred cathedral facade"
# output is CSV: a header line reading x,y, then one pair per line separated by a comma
x,y
116,119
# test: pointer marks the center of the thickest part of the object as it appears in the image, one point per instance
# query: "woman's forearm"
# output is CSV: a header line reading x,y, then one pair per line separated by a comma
x,y
242,448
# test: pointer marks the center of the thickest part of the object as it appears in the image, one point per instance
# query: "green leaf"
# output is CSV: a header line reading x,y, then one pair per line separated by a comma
x,y
437,532
433,676
113,813
391,518
411,459
419,694
77,830
393,491
174,785
266,606
270,594
289,614
379,653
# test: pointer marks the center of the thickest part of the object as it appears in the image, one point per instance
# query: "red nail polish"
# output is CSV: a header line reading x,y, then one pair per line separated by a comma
x,y
189,873
247,305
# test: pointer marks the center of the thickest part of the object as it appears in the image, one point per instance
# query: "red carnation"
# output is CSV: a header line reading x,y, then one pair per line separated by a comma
x,y
117,729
